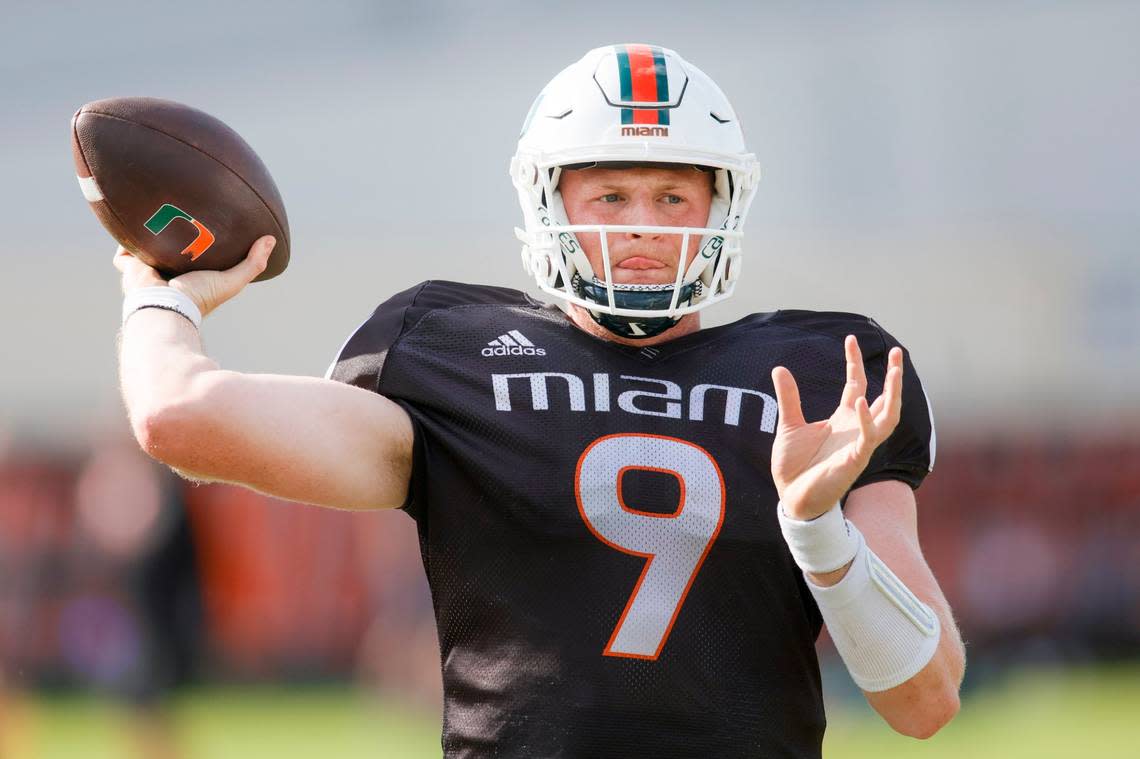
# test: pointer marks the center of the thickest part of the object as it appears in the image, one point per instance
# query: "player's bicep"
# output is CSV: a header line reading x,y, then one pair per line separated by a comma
x,y
301,438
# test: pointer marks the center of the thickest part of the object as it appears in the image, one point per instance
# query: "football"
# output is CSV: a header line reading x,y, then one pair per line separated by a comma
x,y
176,186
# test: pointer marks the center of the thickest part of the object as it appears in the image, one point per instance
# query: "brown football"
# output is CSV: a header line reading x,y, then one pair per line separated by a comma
x,y
175,186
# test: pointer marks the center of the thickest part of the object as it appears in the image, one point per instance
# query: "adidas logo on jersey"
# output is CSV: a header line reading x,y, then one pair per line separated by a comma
x,y
513,343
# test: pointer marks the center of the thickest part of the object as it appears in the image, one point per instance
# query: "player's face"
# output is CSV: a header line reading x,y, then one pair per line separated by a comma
x,y
659,197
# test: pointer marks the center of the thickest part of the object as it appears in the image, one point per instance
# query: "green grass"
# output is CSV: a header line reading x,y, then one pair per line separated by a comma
x,y
274,723
1085,714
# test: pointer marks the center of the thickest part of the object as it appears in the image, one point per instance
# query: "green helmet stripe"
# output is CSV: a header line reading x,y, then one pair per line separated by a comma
x,y
662,84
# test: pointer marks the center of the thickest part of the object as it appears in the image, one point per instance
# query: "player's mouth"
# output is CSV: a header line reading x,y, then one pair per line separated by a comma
x,y
640,263
643,270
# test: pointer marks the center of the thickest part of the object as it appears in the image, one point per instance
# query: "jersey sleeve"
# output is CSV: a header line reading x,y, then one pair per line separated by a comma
x,y
908,454
361,358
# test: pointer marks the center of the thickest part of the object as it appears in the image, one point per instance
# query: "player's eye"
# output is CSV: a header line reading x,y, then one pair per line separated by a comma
x,y
673,200
611,197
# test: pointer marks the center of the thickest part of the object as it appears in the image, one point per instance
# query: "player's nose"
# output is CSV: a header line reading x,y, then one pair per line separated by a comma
x,y
643,213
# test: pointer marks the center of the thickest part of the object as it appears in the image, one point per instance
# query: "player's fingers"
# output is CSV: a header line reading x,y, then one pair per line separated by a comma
x,y
124,260
877,406
868,435
787,398
894,360
255,261
135,272
888,415
856,386
241,274
896,390
210,289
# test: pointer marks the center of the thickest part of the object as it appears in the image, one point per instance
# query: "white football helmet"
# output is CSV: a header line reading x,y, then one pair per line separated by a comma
x,y
632,104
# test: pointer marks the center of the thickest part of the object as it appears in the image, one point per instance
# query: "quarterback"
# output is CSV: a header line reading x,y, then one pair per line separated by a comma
x,y
633,528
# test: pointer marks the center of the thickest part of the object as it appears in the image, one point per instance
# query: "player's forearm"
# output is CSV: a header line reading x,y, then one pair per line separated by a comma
x,y
923,704
160,357
886,614
879,656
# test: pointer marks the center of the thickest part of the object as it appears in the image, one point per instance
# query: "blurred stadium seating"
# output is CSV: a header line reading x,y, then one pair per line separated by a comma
x,y
1033,542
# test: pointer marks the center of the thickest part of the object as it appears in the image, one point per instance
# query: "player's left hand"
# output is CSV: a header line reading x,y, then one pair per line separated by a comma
x,y
814,464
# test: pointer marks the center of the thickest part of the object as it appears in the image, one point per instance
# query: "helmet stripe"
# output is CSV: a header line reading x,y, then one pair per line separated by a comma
x,y
662,84
624,75
643,78
626,83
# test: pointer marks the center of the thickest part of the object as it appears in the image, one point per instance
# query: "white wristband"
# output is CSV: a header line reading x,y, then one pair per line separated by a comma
x,y
883,632
161,297
823,544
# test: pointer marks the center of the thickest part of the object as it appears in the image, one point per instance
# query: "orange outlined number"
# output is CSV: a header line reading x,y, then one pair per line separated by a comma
x,y
674,545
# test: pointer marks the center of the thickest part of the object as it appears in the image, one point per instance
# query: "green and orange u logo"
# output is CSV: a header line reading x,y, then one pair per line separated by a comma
x,y
168,213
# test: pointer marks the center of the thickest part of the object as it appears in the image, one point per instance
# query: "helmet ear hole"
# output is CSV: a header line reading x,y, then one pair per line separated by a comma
x,y
541,267
524,173
732,265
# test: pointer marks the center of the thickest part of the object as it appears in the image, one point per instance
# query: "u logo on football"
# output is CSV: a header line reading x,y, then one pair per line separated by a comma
x,y
162,218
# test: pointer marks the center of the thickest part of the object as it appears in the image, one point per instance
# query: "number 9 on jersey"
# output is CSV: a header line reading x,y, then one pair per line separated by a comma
x,y
674,545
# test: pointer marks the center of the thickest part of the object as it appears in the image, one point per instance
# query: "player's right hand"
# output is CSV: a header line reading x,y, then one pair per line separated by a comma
x,y
208,289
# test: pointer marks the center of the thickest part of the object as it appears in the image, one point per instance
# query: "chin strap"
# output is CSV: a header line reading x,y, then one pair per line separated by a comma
x,y
642,297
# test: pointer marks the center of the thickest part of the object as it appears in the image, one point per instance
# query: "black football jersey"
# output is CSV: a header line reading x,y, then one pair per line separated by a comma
x,y
598,521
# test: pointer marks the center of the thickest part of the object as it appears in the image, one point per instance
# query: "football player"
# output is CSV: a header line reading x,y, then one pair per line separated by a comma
x,y
632,531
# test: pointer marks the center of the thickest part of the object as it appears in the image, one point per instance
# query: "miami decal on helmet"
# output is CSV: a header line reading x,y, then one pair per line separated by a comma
x,y
162,218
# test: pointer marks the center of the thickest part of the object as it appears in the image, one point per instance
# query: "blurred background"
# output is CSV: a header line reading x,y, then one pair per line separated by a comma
x,y
966,173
